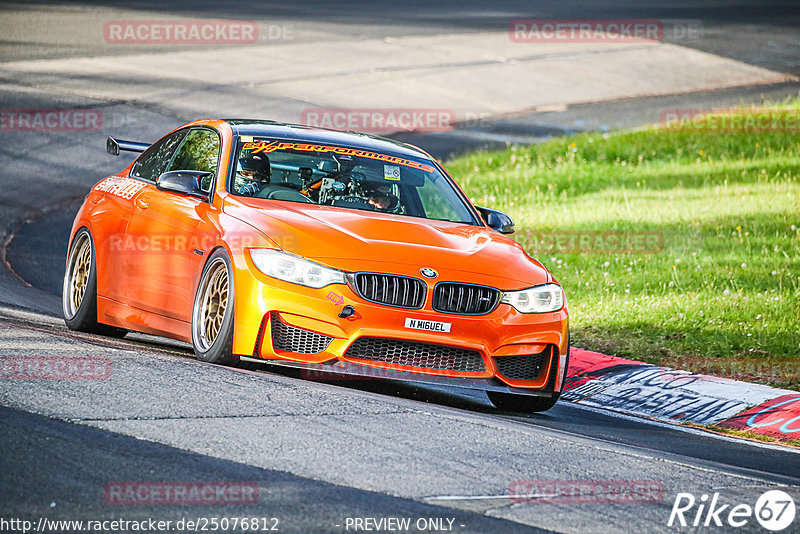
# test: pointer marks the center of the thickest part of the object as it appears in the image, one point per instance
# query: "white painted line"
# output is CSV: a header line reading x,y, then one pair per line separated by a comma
x,y
467,497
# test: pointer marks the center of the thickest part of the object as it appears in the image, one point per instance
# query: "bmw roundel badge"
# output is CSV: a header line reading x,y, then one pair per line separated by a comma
x,y
427,272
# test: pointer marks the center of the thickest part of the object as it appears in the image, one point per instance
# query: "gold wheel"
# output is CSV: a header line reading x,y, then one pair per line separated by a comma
x,y
214,304
78,275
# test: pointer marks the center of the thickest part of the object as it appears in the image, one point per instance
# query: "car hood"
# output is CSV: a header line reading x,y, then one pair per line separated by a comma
x,y
361,240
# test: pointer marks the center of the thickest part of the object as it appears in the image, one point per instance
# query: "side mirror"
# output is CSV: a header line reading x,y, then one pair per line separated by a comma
x,y
497,220
183,183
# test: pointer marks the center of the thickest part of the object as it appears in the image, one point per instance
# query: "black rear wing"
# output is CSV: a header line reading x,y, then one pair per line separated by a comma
x,y
113,146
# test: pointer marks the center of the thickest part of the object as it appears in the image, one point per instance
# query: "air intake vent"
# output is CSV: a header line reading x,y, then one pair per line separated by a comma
x,y
299,340
527,367
415,354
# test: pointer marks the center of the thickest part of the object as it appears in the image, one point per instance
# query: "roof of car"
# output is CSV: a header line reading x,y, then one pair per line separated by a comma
x,y
261,128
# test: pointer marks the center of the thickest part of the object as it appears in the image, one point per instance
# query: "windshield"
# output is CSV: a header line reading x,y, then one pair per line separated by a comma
x,y
346,178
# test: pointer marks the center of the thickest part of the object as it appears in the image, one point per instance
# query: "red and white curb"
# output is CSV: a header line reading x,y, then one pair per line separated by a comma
x,y
664,394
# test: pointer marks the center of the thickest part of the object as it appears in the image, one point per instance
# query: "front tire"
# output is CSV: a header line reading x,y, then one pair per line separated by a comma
x,y
212,315
79,290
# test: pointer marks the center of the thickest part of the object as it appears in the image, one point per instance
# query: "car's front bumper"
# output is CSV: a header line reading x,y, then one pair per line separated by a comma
x,y
501,335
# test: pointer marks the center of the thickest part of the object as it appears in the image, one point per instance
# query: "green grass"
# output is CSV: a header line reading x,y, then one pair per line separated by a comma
x,y
726,284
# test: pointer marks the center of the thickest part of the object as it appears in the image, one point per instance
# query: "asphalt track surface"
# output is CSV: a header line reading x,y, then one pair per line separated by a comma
x,y
322,452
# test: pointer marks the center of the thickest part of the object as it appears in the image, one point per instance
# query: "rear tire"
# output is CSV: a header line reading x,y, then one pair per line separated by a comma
x,y
79,291
212,315
512,402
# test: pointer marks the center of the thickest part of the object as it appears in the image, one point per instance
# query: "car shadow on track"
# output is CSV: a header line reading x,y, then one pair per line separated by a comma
x,y
453,397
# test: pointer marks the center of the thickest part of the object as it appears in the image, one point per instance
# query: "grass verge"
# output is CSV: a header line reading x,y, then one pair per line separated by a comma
x,y
676,247
747,435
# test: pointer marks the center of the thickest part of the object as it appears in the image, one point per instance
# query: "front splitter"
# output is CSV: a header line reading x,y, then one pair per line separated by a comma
x,y
343,370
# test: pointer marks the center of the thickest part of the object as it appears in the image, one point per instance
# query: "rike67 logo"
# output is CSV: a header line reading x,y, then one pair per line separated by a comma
x,y
774,510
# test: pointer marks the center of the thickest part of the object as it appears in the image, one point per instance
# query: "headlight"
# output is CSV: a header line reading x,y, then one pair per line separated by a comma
x,y
294,269
538,299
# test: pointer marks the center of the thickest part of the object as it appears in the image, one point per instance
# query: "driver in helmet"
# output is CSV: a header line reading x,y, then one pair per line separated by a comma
x,y
254,172
381,197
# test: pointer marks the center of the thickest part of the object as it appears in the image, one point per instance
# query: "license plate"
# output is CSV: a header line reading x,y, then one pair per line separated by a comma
x,y
430,326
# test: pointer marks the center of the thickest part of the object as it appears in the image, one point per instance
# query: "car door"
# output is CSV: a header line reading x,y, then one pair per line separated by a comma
x,y
120,192
171,230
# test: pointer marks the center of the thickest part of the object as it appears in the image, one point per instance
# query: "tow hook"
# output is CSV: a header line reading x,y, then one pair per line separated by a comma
x,y
347,311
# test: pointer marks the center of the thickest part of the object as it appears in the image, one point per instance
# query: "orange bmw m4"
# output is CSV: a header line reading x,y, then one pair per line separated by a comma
x,y
332,252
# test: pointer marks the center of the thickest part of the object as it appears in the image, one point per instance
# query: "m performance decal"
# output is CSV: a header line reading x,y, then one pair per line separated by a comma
x,y
121,187
262,146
